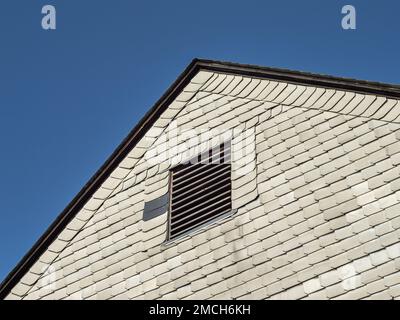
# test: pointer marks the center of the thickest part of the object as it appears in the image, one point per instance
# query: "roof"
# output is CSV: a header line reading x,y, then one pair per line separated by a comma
x,y
380,89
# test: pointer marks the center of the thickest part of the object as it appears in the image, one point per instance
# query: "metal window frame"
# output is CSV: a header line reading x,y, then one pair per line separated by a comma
x,y
201,226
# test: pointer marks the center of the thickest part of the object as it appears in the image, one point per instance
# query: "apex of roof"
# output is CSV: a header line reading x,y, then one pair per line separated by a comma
x,y
366,87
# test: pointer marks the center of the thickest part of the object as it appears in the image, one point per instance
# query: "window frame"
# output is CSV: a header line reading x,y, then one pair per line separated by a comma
x,y
201,226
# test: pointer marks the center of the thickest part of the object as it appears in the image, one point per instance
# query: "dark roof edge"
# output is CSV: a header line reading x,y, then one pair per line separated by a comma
x,y
77,203
305,78
96,180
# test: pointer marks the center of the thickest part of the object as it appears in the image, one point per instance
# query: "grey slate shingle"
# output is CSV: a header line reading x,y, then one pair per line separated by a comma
x,y
324,192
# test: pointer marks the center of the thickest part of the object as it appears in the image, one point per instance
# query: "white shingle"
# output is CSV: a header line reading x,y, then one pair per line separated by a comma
x,y
317,204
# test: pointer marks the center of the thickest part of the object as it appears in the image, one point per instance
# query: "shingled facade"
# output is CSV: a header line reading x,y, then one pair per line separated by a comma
x,y
315,197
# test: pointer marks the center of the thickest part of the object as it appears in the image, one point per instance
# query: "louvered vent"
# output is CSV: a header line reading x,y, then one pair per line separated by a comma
x,y
201,190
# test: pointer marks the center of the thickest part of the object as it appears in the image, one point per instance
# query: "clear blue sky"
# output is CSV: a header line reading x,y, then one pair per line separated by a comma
x,y
68,97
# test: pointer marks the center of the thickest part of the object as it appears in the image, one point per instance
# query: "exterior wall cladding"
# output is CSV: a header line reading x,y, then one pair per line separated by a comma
x,y
315,198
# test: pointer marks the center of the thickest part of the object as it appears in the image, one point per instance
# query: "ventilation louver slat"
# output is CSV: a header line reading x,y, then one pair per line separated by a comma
x,y
200,190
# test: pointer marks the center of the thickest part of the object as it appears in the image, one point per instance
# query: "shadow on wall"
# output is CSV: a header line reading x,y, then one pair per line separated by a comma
x,y
156,207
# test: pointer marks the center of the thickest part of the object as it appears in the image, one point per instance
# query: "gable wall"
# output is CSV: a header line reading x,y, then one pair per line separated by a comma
x,y
315,184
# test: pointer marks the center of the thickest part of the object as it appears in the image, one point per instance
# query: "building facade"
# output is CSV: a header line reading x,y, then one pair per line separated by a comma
x,y
242,182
